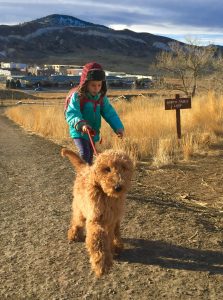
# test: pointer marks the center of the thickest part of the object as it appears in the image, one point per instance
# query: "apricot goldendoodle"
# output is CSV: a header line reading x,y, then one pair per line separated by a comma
x,y
98,205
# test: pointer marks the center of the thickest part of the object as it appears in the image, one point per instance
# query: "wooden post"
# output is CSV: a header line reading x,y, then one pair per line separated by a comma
x,y
178,120
178,104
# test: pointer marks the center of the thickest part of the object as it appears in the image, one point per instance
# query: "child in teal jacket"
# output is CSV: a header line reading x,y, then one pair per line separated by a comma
x,y
87,104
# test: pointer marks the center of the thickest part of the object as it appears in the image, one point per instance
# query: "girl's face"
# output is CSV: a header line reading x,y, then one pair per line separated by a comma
x,y
94,87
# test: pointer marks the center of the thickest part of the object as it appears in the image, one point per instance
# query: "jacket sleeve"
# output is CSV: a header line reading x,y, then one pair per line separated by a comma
x,y
110,115
73,113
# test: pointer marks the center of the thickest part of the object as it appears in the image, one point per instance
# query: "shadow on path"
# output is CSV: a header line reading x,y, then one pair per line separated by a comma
x,y
169,256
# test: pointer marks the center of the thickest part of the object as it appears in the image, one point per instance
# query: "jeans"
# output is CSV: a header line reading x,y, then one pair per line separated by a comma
x,y
85,149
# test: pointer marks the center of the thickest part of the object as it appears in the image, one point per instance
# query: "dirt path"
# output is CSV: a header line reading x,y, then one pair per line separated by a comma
x,y
173,244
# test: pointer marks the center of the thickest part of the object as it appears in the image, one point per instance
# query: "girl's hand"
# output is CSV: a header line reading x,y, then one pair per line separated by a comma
x,y
86,128
120,133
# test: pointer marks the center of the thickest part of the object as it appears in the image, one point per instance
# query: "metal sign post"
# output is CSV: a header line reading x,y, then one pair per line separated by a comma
x,y
178,104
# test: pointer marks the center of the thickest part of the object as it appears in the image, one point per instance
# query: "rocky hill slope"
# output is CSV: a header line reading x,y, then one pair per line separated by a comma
x,y
62,39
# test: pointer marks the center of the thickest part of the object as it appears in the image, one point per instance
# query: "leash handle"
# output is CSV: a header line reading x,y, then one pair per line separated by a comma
x,y
92,142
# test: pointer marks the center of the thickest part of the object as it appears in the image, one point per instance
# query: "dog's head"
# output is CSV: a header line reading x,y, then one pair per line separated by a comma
x,y
112,171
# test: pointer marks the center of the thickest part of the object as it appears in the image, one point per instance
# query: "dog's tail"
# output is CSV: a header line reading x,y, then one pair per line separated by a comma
x,y
76,161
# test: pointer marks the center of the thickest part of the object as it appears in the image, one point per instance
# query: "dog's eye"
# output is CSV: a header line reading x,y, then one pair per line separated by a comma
x,y
107,170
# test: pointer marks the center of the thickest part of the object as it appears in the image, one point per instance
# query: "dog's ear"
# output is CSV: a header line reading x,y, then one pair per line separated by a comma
x,y
76,161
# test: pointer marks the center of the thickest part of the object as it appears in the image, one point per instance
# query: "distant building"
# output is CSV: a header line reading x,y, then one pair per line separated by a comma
x,y
74,71
64,80
12,65
109,73
62,69
40,71
67,76
5,72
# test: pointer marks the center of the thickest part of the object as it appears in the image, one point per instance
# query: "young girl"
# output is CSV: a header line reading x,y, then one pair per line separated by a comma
x,y
87,104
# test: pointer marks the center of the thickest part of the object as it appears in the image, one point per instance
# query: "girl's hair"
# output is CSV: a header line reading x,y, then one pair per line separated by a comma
x,y
82,90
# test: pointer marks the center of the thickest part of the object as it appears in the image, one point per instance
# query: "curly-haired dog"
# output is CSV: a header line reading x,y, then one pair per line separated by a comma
x,y
98,205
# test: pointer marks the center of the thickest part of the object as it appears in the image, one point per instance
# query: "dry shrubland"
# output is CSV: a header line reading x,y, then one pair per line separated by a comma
x,y
150,131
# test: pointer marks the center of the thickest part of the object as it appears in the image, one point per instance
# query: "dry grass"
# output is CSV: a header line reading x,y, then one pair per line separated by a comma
x,y
150,130
47,121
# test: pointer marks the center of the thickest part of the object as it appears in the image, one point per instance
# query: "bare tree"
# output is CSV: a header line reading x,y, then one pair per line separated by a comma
x,y
187,62
216,79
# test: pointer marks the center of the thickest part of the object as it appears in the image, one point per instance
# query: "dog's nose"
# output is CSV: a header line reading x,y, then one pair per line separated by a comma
x,y
118,188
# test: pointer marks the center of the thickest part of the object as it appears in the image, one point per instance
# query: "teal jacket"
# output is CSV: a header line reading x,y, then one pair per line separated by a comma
x,y
77,118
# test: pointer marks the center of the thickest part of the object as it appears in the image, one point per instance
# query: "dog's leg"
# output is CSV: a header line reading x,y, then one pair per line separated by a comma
x,y
118,245
98,246
76,231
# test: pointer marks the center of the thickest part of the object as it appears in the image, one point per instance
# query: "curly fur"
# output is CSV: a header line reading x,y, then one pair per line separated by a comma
x,y
98,206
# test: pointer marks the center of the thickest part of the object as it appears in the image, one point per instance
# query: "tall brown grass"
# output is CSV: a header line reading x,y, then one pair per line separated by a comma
x,y
47,121
150,131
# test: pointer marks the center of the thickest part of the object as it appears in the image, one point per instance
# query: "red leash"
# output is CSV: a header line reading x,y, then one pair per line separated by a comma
x,y
92,142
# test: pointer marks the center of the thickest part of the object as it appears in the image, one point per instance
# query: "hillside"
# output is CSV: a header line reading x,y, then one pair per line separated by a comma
x,y
61,39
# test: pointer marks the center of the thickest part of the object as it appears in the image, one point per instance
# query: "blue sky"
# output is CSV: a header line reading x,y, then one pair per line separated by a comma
x,y
195,19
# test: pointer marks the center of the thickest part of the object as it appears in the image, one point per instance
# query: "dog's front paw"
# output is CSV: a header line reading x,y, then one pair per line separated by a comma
x,y
102,267
101,263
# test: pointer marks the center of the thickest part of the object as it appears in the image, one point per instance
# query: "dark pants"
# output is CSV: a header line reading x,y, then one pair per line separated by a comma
x,y
85,149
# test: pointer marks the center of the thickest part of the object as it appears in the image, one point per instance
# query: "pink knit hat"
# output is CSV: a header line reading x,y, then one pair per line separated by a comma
x,y
92,71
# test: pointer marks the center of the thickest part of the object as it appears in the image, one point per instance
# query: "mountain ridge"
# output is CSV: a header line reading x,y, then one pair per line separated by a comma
x,y
63,39
48,21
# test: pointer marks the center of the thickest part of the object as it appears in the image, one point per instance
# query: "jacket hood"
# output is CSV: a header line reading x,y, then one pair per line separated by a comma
x,y
93,71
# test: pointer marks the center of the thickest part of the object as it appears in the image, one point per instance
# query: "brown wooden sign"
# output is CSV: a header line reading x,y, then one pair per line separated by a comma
x,y
178,104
